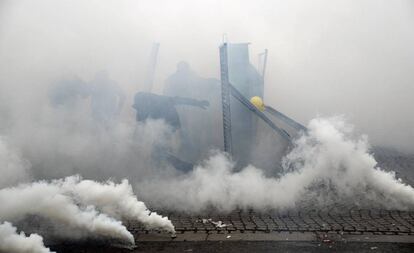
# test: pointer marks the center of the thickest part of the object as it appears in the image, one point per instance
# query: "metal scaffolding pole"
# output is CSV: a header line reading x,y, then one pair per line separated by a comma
x,y
225,98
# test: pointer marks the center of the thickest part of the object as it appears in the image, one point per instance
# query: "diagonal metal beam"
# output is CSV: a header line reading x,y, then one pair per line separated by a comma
x,y
237,95
286,119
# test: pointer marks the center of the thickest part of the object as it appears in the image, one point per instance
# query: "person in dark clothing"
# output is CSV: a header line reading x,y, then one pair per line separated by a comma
x,y
153,106
200,127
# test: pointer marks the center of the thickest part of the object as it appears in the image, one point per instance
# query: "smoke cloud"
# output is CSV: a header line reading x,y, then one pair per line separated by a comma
x,y
49,201
81,204
84,205
348,57
325,57
116,200
11,241
328,165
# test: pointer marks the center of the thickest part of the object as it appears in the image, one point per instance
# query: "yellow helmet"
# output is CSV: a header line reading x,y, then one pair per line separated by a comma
x,y
258,102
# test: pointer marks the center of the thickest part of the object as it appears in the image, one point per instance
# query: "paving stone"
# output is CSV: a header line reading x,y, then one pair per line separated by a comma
x,y
351,221
260,236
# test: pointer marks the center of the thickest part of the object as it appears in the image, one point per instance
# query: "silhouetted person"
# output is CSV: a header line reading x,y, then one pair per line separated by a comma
x,y
158,107
153,106
182,82
200,128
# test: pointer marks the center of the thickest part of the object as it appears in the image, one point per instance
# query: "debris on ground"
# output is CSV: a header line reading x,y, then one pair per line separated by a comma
x,y
218,224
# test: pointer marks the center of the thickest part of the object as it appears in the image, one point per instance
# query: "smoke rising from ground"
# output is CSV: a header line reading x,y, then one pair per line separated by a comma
x,y
47,200
327,165
11,241
329,57
81,204
117,200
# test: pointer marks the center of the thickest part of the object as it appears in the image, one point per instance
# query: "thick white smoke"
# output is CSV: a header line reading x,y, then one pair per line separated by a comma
x,y
51,201
11,241
117,200
328,164
41,43
84,205
337,161
81,204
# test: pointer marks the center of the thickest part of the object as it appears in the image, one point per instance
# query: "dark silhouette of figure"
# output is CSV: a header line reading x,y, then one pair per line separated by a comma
x,y
200,128
153,106
159,107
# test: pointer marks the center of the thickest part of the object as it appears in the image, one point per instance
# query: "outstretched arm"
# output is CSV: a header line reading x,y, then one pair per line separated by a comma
x,y
189,101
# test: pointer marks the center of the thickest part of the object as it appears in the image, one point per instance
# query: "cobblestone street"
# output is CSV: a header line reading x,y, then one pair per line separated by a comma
x,y
353,221
309,230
